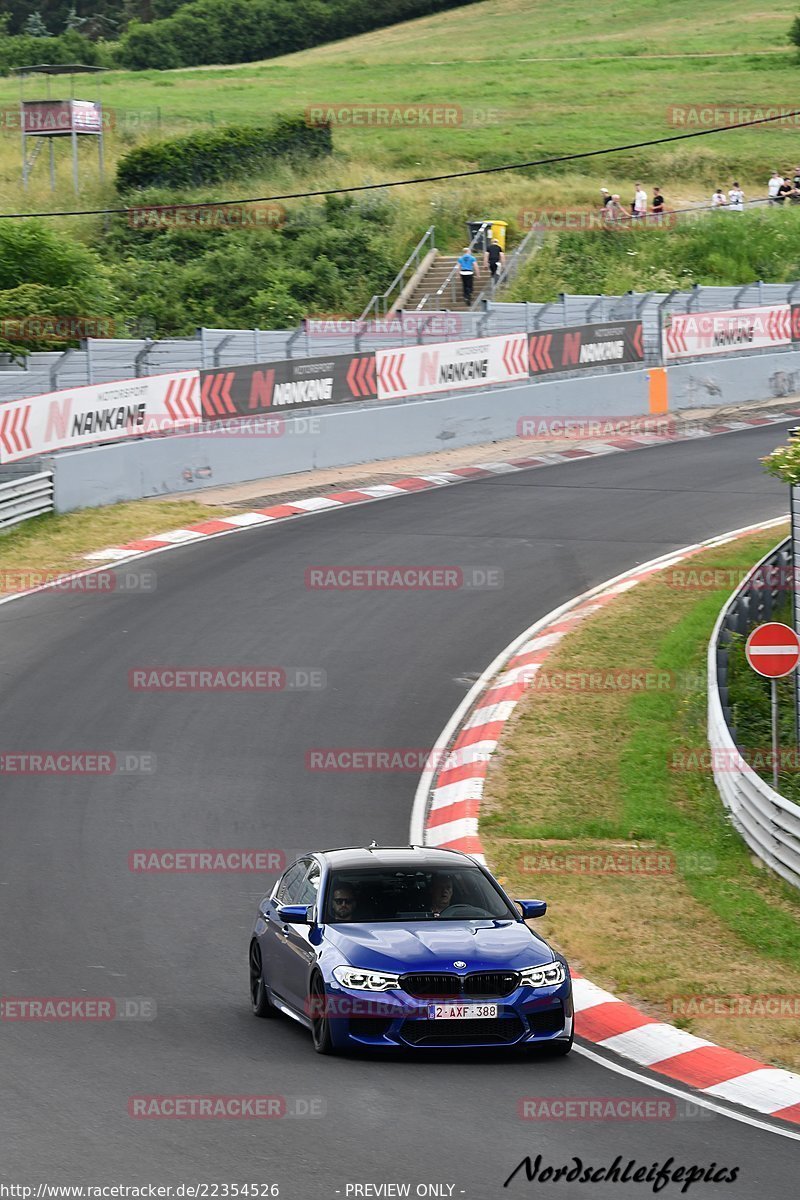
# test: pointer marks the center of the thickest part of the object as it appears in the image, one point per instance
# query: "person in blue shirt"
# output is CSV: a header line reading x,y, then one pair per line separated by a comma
x,y
468,268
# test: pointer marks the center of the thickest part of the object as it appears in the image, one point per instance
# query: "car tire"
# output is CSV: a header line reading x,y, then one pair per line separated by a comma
x,y
320,1025
259,999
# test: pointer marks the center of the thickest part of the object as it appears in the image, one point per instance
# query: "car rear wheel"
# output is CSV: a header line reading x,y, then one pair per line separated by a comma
x,y
320,1022
259,999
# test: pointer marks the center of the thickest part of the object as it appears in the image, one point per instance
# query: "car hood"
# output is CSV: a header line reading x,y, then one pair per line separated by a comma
x,y
437,945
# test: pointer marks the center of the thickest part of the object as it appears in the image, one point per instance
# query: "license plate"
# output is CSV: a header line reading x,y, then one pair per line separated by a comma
x,y
460,1012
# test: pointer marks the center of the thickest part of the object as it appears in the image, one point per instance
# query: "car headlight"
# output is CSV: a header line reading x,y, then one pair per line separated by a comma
x,y
548,975
366,981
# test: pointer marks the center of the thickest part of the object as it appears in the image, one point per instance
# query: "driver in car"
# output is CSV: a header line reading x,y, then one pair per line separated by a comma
x,y
441,894
344,902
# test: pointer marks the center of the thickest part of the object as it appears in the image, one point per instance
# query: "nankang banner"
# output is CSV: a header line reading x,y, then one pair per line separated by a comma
x,y
730,331
585,346
285,385
447,366
104,412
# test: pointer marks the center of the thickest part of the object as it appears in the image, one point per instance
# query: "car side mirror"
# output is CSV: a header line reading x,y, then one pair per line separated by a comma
x,y
293,914
531,909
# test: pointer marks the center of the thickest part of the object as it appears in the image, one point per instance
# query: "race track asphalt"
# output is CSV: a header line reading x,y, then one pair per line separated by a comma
x,y
231,772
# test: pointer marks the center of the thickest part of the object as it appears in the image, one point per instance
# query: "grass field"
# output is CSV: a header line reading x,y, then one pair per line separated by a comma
x,y
532,80
588,773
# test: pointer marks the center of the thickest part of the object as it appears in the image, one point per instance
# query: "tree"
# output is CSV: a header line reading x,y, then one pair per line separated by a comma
x,y
794,32
35,26
73,21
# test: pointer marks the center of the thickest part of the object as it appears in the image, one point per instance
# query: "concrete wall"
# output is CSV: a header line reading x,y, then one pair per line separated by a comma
x,y
740,380
345,434
331,437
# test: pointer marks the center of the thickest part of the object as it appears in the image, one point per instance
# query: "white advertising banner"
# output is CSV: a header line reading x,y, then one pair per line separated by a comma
x,y
727,331
419,370
104,412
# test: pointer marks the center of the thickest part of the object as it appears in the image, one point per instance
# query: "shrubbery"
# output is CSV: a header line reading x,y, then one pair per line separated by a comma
x,y
70,47
214,155
42,273
233,31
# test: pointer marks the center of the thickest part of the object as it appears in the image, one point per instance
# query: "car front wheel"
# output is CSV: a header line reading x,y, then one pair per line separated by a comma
x,y
259,1000
320,1022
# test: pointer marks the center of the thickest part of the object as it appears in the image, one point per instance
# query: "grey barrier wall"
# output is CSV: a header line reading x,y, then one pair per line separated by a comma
x,y
351,434
737,380
332,437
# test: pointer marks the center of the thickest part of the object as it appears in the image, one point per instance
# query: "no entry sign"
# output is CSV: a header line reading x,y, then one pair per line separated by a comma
x,y
773,650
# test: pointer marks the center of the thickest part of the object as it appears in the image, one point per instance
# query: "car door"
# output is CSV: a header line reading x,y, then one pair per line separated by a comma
x,y
299,952
276,961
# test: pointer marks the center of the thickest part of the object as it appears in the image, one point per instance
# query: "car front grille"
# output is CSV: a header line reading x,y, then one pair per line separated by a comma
x,y
497,1031
444,985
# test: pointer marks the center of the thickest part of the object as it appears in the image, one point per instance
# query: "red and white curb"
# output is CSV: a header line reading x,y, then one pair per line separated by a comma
x,y
414,483
446,811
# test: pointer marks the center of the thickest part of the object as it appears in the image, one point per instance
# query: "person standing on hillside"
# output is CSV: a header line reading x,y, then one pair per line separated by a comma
x,y
773,188
468,270
640,202
718,199
494,259
736,198
658,204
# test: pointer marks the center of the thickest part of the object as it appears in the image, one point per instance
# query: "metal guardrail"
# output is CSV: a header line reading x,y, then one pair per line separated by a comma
x,y
104,360
530,244
25,497
380,305
769,824
450,282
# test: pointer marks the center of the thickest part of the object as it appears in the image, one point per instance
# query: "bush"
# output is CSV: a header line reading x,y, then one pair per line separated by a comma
x,y
232,31
25,51
45,274
211,156
327,258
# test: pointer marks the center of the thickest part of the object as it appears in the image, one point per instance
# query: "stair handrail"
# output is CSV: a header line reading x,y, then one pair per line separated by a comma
x,y
380,305
532,241
450,281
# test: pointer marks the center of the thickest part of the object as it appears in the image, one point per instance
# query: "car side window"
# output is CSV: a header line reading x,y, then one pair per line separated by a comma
x,y
290,886
309,890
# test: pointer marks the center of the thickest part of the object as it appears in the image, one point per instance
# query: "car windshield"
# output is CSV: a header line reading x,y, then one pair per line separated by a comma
x,y
407,894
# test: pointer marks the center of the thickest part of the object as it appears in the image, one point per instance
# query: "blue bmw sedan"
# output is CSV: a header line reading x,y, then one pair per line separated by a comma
x,y
407,947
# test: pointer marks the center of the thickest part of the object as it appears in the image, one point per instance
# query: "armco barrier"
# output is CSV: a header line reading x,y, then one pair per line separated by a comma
x,y
25,496
769,824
